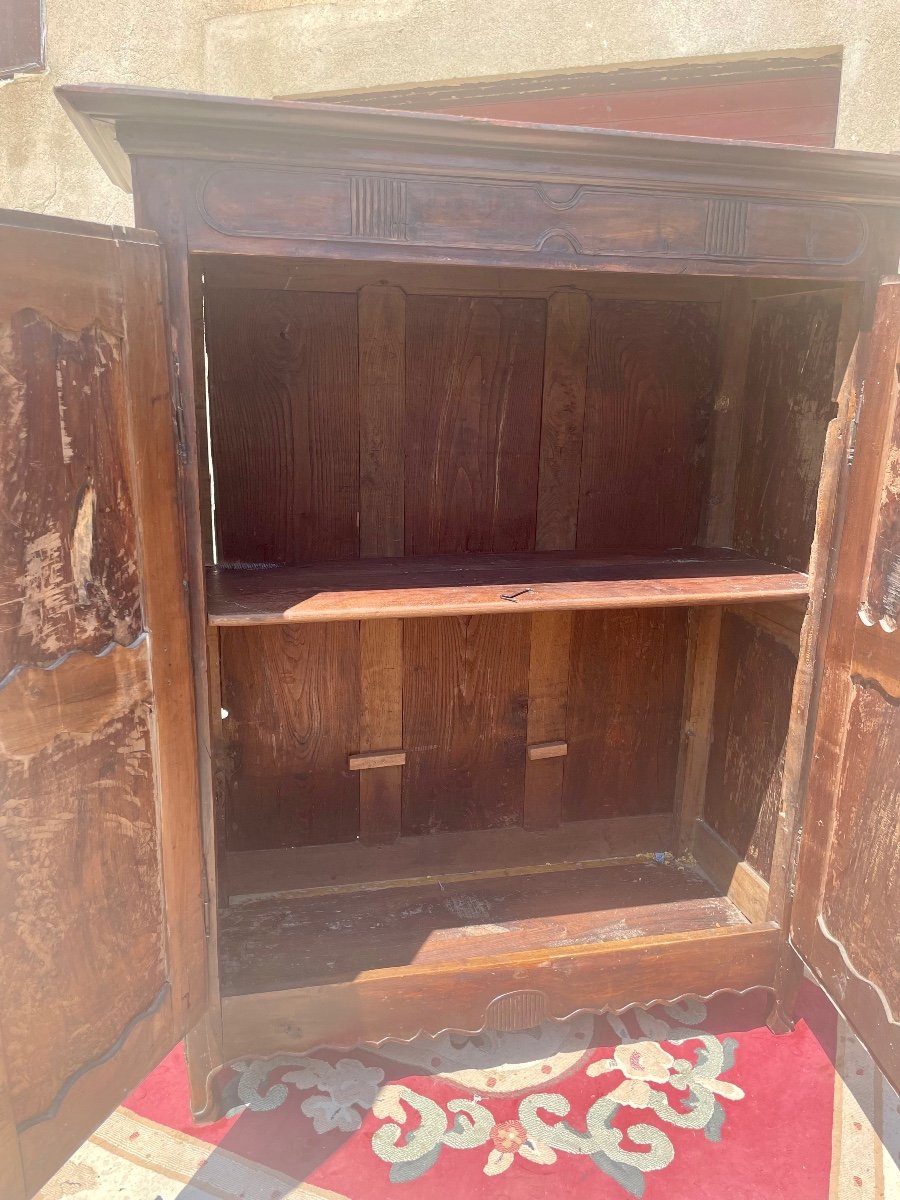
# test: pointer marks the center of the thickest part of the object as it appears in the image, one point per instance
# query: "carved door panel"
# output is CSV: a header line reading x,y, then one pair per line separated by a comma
x,y
101,921
846,916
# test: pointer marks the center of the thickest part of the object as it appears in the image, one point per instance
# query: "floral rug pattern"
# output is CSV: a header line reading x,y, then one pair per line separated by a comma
x,y
646,1079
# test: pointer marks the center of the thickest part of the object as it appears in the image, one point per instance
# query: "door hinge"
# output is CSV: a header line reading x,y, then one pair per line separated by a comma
x,y
178,405
854,426
206,916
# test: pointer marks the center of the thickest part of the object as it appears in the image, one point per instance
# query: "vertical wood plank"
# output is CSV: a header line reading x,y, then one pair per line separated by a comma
x,y
562,419
465,683
699,695
474,368
735,325
559,482
380,727
283,384
548,686
382,383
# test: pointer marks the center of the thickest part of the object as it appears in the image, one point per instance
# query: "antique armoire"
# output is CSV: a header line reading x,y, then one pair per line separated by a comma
x,y
450,580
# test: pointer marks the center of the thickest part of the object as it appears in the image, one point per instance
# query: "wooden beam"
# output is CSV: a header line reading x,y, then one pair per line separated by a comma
x,y
735,878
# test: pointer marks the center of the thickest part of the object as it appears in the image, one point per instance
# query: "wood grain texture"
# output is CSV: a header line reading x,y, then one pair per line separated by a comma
x,y
68,560
465,689
283,383
382,412
81,909
624,712
381,728
350,865
562,419
862,888
650,381
548,687
293,703
473,378
749,728
281,943
493,583
401,1003
789,402
735,327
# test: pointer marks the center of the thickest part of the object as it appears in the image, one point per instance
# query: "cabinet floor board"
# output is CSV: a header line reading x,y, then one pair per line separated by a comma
x,y
283,941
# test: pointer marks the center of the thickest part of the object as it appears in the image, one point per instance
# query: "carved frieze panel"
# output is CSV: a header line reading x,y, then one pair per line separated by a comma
x,y
577,220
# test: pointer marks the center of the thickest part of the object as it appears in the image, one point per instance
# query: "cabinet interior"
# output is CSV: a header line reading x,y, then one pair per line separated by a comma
x,y
507,573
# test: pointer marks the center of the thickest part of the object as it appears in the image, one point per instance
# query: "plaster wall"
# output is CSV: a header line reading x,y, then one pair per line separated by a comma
x,y
286,47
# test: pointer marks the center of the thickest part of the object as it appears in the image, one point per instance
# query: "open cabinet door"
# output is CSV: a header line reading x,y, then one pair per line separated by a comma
x,y
846,915
101,915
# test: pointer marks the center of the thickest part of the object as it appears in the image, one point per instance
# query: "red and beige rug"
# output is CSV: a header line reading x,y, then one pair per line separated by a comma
x,y
685,1102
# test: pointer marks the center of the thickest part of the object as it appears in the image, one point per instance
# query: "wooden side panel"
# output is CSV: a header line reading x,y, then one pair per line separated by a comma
x,y
755,676
292,697
284,411
68,558
624,713
473,378
465,688
651,376
81,918
788,404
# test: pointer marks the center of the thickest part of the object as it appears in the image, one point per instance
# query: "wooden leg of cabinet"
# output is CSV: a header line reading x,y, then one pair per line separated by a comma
x,y
203,1050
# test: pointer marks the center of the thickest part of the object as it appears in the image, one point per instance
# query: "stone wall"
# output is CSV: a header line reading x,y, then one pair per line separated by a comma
x,y
282,47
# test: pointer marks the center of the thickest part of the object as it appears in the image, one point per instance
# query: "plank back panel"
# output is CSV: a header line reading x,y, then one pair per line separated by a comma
x,y
650,381
465,699
284,414
292,694
751,712
788,404
473,384
624,712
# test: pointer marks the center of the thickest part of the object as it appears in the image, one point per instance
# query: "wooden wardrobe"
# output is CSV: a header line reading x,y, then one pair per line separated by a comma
x,y
450,575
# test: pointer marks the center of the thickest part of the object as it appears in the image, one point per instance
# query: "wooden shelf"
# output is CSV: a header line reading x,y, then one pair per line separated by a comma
x,y
292,941
458,585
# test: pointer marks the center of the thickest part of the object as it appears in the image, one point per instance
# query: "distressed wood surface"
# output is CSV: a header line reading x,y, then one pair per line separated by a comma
x,y
473,378
350,865
68,560
293,702
284,411
465,690
624,712
789,402
279,943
